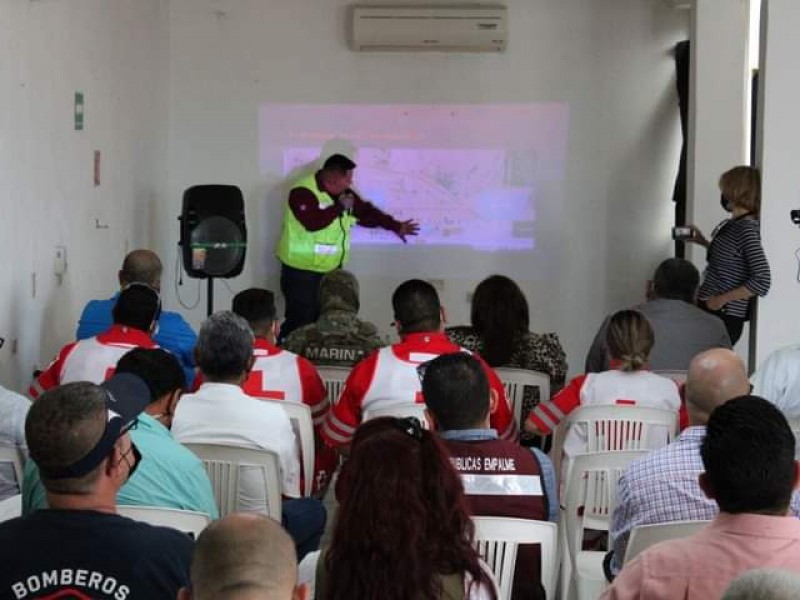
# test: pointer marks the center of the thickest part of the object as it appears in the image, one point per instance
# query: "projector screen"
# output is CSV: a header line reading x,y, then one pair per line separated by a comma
x,y
483,181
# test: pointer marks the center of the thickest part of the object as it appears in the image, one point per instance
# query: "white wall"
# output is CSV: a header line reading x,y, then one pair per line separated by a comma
x,y
610,60
779,159
114,52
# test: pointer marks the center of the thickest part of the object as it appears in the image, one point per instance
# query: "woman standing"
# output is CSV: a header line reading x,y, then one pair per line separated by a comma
x,y
737,269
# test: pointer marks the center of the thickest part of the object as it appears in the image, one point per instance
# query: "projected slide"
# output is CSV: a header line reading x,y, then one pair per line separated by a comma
x,y
474,176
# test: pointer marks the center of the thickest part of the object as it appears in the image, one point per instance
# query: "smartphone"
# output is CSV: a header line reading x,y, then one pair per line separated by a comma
x,y
682,233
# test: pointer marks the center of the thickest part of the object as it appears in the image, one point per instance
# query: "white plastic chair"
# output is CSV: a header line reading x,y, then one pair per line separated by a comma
x,y
300,417
333,378
11,508
590,497
222,464
187,521
399,410
614,427
14,456
516,380
618,427
679,376
497,539
794,425
644,536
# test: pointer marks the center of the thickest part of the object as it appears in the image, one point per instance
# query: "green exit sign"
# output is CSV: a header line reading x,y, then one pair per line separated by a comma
x,y
79,111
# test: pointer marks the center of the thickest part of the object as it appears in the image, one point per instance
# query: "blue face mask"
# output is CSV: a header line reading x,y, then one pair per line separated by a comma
x,y
725,204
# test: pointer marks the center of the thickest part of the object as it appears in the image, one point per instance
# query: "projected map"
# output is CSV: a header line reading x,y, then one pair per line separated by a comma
x,y
485,178
459,197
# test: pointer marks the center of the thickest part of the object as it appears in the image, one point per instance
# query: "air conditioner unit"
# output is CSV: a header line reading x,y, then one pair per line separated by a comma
x,y
470,28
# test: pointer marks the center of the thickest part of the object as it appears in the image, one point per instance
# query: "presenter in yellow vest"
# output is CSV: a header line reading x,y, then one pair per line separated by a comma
x,y
315,238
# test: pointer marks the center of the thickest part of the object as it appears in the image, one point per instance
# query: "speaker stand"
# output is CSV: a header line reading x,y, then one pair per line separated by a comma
x,y
210,297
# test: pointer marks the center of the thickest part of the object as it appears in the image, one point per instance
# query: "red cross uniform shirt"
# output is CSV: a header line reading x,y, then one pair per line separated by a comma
x,y
637,388
389,376
278,374
93,359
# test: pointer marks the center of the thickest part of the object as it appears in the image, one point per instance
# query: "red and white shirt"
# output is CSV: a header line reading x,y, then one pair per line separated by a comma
x,y
282,375
389,376
93,359
636,388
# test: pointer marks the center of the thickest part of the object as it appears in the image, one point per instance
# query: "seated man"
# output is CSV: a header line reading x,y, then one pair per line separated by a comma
x,y
173,332
169,475
94,359
244,557
338,337
80,548
389,375
778,380
681,329
663,486
281,375
500,478
750,472
221,413
13,410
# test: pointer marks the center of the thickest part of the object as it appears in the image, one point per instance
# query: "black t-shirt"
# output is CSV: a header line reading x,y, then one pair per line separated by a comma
x,y
81,555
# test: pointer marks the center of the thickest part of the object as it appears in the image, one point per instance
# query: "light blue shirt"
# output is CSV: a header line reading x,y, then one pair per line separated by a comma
x,y
173,334
168,475
548,473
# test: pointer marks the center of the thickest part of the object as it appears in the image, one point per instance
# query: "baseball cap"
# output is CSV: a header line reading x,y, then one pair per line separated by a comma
x,y
127,395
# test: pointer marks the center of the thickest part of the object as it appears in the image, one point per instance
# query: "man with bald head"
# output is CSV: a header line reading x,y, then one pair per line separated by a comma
x,y
663,486
173,332
244,556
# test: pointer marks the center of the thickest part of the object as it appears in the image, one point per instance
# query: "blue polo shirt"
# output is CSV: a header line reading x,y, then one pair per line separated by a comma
x,y
174,333
169,475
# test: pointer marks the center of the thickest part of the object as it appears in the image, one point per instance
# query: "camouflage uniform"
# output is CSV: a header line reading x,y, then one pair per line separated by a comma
x,y
339,337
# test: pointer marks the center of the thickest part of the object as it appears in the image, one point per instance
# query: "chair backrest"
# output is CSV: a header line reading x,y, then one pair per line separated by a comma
x,y
497,539
644,536
187,521
618,427
679,376
794,425
300,417
11,507
591,493
333,378
516,380
400,410
13,455
222,464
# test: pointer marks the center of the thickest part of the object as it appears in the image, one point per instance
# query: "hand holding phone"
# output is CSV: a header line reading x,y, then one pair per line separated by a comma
x,y
682,233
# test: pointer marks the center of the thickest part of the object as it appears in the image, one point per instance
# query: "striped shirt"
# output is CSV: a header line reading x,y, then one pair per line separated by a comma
x,y
736,258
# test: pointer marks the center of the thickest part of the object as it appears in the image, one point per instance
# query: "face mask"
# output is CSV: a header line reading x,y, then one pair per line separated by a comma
x,y
723,202
137,458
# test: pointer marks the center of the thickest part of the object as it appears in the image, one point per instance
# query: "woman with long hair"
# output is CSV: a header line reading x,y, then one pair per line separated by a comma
x,y
402,530
500,334
630,339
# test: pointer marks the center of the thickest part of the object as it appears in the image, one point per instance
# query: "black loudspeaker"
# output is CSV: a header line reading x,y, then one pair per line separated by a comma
x,y
213,231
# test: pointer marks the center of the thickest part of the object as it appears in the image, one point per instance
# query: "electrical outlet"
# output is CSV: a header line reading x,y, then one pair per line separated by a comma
x,y
60,261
